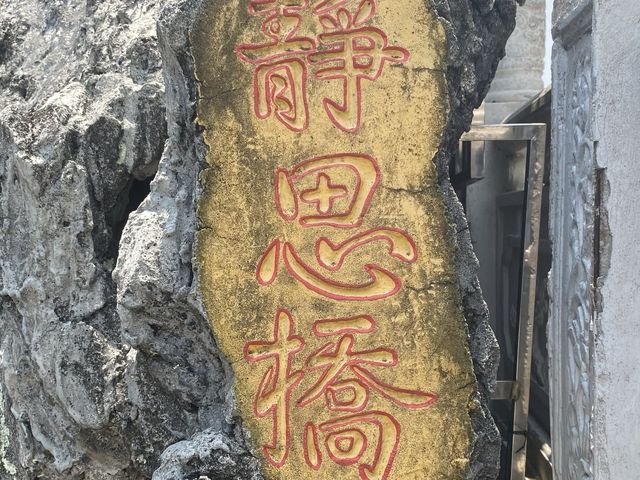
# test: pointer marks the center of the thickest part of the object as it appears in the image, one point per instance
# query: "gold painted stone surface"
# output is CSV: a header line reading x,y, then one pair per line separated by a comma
x,y
326,260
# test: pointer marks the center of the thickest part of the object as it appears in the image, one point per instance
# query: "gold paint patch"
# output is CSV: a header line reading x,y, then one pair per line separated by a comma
x,y
325,256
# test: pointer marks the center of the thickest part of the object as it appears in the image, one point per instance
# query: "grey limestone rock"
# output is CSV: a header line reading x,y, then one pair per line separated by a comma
x,y
477,36
207,456
107,366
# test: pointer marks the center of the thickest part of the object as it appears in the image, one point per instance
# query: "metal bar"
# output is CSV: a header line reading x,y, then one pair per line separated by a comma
x,y
535,135
505,390
531,240
510,133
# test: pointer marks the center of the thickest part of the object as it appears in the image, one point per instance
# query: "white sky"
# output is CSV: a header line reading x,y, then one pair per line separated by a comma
x,y
548,44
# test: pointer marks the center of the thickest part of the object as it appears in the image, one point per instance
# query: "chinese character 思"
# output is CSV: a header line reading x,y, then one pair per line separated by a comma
x,y
343,207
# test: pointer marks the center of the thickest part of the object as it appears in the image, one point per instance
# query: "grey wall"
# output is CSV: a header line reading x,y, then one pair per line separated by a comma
x,y
617,347
594,345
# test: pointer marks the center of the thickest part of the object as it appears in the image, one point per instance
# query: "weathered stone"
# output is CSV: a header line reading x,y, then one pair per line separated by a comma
x,y
263,111
207,456
99,374
97,381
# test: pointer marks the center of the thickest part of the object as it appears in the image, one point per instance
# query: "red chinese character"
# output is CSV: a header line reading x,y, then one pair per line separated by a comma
x,y
274,394
280,77
341,204
339,358
347,439
352,53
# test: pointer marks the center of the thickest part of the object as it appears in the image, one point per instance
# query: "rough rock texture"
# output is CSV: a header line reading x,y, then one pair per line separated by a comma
x,y
475,35
189,459
103,370
100,373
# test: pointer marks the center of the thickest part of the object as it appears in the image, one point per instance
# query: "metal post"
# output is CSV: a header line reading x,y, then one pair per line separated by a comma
x,y
519,389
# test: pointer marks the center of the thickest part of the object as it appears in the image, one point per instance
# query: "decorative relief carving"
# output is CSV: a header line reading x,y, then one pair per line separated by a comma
x,y
579,275
571,332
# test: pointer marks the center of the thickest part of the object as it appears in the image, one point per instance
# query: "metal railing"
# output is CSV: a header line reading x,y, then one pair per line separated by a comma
x,y
518,388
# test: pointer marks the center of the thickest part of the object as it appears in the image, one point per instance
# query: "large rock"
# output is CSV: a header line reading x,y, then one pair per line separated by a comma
x,y
103,370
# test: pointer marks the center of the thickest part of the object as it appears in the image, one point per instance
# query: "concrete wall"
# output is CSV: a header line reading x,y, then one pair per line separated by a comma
x,y
616,122
594,345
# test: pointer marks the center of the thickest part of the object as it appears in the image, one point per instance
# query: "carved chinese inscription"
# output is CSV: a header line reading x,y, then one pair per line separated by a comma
x,y
326,266
342,373
366,174
348,51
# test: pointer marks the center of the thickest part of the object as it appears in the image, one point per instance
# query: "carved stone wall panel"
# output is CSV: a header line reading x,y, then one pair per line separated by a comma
x,y
572,221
